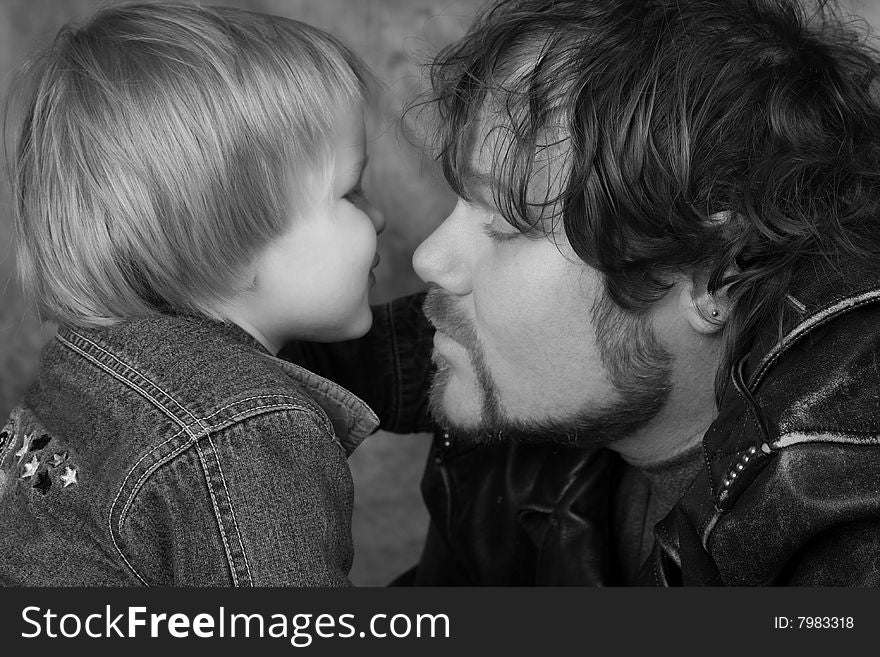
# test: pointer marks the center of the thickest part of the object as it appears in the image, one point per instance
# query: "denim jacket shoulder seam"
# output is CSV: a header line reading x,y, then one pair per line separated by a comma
x,y
128,382
218,515
135,385
250,412
239,579
194,420
130,377
192,441
125,381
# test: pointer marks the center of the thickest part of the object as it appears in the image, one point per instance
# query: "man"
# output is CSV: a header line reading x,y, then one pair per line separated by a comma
x,y
665,247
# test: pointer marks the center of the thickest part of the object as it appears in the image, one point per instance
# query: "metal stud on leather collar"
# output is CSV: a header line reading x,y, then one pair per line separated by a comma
x,y
736,469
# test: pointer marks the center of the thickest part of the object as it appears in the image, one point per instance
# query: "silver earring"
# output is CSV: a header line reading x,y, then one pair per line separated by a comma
x,y
715,313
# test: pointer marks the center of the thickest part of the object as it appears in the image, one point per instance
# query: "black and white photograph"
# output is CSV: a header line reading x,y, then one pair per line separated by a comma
x,y
557,295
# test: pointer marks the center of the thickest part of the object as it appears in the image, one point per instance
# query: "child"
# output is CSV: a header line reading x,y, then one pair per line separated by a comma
x,y
187,183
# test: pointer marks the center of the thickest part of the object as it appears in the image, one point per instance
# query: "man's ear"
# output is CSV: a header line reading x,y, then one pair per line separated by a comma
x,y
706,313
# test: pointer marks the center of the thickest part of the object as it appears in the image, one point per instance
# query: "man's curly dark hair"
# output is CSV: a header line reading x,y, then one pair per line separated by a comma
x,y
737,138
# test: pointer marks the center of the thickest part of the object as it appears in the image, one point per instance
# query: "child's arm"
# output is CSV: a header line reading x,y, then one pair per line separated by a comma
x,y
389,368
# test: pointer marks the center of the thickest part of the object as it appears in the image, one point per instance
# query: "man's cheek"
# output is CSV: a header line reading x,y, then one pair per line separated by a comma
x,y
515,329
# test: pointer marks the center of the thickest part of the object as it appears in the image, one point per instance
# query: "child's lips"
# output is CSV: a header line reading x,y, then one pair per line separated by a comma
x,y
372,276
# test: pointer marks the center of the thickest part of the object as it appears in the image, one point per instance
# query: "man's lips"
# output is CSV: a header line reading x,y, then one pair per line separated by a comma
x,y
376,260
452,327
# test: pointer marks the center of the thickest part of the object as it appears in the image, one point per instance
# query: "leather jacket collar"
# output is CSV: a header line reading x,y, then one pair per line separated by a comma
x,y
782,443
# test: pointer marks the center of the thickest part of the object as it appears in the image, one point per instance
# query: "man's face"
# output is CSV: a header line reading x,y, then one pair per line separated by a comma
x,y
526,343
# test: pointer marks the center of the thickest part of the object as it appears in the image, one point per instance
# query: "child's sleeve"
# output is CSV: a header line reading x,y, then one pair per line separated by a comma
x,y
291,494
264,502
389,368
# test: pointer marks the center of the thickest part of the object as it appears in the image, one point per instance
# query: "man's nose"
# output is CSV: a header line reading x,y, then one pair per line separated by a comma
x,y
444,258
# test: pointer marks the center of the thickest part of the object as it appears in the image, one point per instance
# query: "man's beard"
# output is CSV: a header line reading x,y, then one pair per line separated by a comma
x,y
638,367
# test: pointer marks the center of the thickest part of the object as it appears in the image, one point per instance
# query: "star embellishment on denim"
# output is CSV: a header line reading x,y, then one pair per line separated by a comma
x,y
69,476
30,468
58,459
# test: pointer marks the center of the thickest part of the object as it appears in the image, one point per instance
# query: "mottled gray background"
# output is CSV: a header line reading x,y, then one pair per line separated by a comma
x,y
395,37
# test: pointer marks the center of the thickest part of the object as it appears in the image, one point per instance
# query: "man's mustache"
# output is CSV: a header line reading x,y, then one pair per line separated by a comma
x,y
447,317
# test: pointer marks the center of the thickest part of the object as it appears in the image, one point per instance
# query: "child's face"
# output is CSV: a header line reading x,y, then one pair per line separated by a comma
x,y
313,282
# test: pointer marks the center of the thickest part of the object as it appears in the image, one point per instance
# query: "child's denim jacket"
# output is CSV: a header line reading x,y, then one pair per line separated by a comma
x,y
177,451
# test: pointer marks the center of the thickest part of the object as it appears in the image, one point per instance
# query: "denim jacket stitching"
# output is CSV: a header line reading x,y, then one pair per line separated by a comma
x,y
135,380
146,474
137,486
214,428
195,428
137,385
217,515
142,479
247,399
203,429
159,405
122,379
326,387
247,567
233,419
129,369
173,454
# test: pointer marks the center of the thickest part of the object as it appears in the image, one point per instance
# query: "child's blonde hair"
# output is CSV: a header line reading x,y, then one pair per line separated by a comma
x,y
154,158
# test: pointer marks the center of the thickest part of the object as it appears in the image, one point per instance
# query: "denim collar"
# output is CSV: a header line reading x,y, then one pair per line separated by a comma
x,y
352,419
350,416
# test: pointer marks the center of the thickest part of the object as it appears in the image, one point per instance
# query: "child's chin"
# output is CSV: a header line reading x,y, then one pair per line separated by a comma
x,y
362,324
356,328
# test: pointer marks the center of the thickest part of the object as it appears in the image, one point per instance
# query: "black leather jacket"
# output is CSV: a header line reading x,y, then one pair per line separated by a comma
x,y
790,494
791,490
